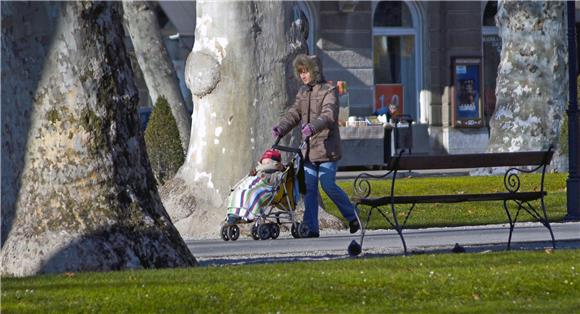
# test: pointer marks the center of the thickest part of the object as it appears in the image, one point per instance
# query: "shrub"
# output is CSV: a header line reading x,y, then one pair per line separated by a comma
x,y
163,142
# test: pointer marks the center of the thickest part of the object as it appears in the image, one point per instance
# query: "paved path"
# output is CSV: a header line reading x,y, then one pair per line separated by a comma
x,y
334,245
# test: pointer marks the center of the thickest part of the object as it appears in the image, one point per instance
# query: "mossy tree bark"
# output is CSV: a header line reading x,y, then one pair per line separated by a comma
x,y
88,199
532,81
240,74
155,63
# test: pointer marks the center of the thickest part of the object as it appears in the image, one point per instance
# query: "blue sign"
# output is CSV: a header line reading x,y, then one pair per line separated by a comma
x,y
467,93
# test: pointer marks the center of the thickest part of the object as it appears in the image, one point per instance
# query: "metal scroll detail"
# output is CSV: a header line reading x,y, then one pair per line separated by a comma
x,y
511,180
362,186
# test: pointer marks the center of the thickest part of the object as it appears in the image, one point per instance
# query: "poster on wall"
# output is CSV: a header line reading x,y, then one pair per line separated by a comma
x,y
466,102
389,99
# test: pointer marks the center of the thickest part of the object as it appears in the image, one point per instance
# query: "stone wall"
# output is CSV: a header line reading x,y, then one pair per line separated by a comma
x,y
345,47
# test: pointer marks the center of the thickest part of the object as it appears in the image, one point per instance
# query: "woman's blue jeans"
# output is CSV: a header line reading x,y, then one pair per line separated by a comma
x,y
326,171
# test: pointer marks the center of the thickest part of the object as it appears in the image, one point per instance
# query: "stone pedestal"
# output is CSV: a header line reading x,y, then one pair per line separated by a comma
x,y
362,146
458,141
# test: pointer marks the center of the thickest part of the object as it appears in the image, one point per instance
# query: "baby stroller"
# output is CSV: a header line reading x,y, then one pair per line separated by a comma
x,y
278,209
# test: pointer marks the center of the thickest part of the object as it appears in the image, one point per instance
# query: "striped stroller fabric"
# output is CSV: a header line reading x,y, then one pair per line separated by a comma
x,y
251,195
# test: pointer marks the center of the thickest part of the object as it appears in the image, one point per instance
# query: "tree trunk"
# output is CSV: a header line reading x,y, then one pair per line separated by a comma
x,y
532,81
88,199
241,78
24,49
154,61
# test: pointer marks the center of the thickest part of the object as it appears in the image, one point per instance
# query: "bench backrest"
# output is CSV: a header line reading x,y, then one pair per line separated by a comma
x,y
483,160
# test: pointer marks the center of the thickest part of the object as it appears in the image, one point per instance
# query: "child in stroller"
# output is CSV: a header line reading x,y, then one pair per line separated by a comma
x,y
254,191
265,197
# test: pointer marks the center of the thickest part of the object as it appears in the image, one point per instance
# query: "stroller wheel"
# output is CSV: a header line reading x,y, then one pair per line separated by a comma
x,y
264,231
254,233
233,232
294,230
275,231
303,230
224,233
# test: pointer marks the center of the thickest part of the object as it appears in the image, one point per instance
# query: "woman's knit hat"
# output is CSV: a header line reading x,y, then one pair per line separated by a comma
x,y
272,154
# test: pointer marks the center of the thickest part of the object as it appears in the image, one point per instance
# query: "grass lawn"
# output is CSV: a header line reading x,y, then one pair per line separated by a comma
x,y
460,214
502,282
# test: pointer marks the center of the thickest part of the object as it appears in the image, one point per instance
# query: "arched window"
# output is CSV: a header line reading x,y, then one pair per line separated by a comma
x,y
489,13
304,20
392,14
491,43
396,56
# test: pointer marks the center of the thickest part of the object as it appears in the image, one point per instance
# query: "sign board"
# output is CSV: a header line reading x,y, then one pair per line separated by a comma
x,y
466,102
389,96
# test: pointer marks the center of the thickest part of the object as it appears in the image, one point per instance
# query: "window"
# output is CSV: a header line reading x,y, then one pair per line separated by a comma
x,y
392,14
304,23
489,13
395,53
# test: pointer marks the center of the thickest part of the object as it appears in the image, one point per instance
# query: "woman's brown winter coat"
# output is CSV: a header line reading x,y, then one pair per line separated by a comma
x,y
316,104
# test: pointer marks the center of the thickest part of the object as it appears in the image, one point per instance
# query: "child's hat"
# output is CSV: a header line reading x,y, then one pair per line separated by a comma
x,y
272,154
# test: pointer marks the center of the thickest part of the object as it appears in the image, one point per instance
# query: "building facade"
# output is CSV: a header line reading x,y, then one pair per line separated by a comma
x,y
437,60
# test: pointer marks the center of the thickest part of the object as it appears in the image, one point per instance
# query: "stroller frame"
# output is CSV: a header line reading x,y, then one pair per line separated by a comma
x,y
280,209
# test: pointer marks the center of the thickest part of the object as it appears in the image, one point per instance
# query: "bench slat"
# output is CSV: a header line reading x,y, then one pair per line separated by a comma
x,y
431,162
455,198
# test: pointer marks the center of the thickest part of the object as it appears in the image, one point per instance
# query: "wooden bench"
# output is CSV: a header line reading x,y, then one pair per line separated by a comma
x,y
515,163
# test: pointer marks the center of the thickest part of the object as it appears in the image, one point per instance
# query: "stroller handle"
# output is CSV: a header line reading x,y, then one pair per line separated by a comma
x,y
285,148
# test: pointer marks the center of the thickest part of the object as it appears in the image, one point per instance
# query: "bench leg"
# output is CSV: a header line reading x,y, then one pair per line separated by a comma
x,y
511,222
542,218
355,248
546,223
399,228
532,211
396,225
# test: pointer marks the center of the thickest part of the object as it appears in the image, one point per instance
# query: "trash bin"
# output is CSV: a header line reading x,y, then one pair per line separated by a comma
x,y
399,137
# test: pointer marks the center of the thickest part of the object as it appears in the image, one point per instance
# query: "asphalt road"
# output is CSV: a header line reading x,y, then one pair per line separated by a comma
x,y
382,242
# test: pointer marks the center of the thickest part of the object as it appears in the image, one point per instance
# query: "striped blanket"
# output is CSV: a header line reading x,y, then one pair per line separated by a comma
x,y
251,194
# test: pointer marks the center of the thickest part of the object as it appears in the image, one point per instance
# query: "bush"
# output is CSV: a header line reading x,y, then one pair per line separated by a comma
x,y
163,142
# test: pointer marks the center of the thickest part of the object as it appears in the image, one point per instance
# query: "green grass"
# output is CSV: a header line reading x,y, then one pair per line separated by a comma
x,y
503,282
460,214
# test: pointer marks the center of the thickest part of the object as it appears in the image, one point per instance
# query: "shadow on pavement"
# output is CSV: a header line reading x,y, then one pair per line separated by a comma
x,y
457,249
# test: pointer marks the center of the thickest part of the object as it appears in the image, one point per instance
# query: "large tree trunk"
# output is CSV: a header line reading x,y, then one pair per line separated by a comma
x,y
88,199
241,78
532,82
24,49
155,63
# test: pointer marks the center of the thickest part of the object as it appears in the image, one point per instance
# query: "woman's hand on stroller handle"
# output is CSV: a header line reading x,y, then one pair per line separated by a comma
x,y
276,132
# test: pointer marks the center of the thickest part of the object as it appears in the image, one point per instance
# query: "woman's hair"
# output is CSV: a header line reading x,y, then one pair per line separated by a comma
x,y
310,64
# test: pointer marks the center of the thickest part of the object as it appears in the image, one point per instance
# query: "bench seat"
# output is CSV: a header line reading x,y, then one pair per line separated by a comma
x,y
454,198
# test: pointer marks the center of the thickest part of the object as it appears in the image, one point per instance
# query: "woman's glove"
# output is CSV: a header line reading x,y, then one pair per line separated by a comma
x,y
276,132
307,130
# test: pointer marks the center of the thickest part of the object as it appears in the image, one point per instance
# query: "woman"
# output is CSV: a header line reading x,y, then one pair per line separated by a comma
x,y
316,111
